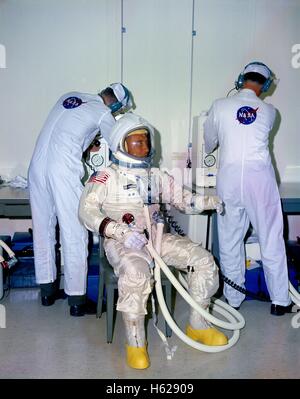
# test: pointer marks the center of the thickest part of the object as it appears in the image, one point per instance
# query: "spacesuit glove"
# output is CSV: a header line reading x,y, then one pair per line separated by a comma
x,y
122,233
206,202
117,231
135,240
220,208
218,204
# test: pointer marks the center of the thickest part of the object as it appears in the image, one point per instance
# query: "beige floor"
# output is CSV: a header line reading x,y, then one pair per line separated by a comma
x,y
45,343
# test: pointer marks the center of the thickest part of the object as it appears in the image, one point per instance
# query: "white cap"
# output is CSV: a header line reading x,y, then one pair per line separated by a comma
x,y
258,68
121,95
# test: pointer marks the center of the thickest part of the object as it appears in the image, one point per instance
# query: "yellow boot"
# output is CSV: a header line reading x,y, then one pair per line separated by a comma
x,y
210,336
137,358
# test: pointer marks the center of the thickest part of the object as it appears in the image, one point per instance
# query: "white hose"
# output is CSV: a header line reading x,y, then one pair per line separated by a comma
x,y
295,296
7,249
177,330
228,326
218,305
11,255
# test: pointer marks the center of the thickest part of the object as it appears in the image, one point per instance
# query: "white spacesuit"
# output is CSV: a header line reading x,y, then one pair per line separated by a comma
x,y
112,204
55,188
246,182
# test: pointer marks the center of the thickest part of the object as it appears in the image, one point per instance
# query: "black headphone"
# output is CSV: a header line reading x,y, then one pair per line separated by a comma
x,y
241,79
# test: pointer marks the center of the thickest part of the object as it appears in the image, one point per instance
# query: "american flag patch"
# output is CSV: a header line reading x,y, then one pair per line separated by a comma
x,y
99,177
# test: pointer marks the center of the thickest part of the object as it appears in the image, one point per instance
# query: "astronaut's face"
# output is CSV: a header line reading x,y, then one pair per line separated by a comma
x,y
138,145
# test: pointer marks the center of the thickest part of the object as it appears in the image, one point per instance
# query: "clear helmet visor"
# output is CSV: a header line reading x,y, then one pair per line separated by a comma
x,y
137,143
132,142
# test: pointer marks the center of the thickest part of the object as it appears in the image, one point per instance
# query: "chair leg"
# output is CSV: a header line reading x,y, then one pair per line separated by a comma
x,y
109,312
168,296
100,294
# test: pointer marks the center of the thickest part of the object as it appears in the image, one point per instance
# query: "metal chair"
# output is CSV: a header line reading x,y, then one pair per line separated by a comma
x,y
108,279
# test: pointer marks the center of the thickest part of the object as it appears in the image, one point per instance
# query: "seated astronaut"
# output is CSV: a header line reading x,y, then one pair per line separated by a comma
x,y
112,204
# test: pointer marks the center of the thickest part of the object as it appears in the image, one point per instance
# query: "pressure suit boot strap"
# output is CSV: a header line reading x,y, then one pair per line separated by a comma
x,y
210,336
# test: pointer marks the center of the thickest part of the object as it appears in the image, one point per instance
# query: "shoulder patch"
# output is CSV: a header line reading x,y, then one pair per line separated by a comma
x,y
246,115
72,102
99,177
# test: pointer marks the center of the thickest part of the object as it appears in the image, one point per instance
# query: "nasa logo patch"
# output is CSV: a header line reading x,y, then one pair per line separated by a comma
x,y
246,115
72,102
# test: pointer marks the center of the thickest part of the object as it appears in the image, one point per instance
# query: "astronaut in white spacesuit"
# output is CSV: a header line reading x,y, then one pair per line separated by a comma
x,y
55,188
246,182
112,204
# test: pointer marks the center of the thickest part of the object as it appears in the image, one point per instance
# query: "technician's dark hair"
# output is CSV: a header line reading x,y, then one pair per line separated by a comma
x,y
255,77
109,93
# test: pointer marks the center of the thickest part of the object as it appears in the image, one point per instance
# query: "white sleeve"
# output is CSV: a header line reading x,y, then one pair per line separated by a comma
x,y
211,130
174,193
94,194
184,200
273,116
106,123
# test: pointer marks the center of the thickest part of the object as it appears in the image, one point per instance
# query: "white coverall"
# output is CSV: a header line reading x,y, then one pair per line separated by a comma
x,y
55,187
246,183
114,192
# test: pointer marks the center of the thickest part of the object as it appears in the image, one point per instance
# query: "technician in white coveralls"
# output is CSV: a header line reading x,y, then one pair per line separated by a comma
x,y
246,182
55,188
112,205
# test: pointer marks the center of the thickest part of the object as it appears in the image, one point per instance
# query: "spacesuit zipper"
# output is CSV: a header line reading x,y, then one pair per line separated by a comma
x,y
149,187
